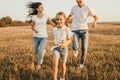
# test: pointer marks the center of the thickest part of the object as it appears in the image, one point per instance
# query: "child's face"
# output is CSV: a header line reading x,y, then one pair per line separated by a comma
x,y
60,21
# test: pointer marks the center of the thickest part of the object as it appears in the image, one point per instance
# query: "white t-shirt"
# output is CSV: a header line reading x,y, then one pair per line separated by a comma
x,y
40,25
80,16
60,34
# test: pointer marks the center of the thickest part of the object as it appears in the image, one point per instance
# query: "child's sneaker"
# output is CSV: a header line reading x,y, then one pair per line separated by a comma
x,y
62,78
75,53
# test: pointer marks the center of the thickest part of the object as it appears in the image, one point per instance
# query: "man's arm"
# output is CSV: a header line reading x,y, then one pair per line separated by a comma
x,y
68,19
95,21
51,22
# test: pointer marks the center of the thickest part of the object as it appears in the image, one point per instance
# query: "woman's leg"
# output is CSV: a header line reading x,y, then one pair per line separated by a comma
x,y
36,44
41,48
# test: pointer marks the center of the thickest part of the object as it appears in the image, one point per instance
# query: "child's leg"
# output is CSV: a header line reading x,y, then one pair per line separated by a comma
x,y
63,65
55,64
63,59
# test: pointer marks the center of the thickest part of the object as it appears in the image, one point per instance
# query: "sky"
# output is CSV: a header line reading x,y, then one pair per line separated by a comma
x,y
106,10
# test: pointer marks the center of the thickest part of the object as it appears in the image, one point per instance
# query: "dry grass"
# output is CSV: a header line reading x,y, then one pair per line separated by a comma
x,y
102,63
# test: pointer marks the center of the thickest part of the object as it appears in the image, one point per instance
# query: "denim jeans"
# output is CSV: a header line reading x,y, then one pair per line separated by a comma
x,y
83,35
39,46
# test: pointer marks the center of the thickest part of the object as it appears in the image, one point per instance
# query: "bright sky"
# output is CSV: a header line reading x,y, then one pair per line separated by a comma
x,y
106,10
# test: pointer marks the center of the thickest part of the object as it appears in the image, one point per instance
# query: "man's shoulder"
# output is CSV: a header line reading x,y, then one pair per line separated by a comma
x,y
74,6
87,6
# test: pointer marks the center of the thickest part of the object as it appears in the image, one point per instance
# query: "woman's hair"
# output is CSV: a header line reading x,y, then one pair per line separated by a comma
x,y
32,8
62,14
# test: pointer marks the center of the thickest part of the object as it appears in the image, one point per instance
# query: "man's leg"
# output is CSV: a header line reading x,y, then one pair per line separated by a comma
x,y
84,41
75,44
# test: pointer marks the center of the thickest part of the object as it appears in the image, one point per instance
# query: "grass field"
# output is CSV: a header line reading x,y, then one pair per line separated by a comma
x,y
102,62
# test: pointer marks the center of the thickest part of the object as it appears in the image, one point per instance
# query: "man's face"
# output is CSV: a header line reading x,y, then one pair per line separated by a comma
x,y
79,1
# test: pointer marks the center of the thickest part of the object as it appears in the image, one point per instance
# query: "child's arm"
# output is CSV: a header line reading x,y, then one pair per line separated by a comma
x,y
65,43
51,22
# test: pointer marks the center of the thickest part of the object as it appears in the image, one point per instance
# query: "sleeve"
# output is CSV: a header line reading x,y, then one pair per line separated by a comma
x,y
90,12
47,16
33,18
69,33
71,12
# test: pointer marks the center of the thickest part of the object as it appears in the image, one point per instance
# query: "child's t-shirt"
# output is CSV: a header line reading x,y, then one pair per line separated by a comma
x,y
60,34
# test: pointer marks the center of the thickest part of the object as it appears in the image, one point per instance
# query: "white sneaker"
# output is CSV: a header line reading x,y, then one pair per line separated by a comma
x,y
81,66
75,53
44,51
38,67
62,78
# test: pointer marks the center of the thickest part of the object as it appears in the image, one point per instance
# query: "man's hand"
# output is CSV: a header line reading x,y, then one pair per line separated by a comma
x,y
94,24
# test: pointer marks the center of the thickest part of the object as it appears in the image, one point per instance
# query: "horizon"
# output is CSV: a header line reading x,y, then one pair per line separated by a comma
x,y
107,11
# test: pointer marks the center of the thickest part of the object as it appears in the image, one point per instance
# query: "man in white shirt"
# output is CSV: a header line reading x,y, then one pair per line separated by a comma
x,y
79,14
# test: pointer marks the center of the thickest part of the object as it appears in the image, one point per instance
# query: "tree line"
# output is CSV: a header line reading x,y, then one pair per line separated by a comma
x,y
8,21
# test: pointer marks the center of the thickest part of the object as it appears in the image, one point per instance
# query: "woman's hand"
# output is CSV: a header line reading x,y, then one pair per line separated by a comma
x,y
36,31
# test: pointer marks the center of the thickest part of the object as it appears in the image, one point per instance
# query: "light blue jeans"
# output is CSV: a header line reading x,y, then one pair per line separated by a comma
x,y
83,35
39,46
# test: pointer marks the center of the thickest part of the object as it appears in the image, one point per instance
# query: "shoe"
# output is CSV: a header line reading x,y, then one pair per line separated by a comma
x,y
81,66
38,67
44,51
62,78
75,53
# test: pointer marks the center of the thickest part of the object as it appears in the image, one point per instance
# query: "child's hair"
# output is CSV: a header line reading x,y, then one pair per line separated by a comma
x,y
32,8
62,14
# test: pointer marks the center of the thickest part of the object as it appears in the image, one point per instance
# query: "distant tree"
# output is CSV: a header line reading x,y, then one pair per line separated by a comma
x,y
28,22
5,21
17,23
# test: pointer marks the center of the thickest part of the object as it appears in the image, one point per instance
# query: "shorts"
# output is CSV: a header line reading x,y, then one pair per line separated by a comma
x,y
61,52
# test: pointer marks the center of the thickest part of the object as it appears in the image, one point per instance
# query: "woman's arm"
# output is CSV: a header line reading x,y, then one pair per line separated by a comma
x,y
32,27
51,22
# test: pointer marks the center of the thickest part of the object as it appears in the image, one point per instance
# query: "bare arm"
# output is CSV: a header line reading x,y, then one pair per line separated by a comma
x,y
68,19
32,27
65,43
51,22
95,21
